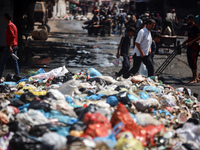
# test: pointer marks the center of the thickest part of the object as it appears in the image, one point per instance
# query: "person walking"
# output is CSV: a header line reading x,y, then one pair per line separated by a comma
x,y
11,45
123,50
142,50
193,47
154,49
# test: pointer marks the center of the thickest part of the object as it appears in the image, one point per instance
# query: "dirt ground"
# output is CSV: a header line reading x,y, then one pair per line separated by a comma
x,y
68,44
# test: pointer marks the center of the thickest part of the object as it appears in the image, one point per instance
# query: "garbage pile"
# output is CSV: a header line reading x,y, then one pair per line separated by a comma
x,y
59,110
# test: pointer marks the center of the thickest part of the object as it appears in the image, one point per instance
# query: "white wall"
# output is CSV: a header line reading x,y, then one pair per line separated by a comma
x,y
5,6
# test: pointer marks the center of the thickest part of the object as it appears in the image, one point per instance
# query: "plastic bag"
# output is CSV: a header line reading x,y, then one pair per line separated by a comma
x,y
39,104
108,79
117,61
124,99
152,130
143,70
97,125
138,78
5,89
110,140
27,97
143,95
55,94
53,141
39,130
13,77
32,117
127,142
112,100
93,73
152,89
121,114
145,119
62,79
22,141
53,73
32,73
70,88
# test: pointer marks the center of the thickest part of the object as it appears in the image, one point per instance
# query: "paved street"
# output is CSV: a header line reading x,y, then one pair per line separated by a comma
x,y
68,44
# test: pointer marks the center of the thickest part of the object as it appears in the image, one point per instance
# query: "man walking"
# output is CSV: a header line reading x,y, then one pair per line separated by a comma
x,y
11,45
192,47
142,50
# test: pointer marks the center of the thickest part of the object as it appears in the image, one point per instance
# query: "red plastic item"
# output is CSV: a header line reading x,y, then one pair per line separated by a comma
x,y
85,105
152,130
97,125
96,130
143,134
121,114
16,110
170,109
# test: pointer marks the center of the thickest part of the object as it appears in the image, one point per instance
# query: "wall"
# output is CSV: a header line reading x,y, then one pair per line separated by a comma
x,y
5,6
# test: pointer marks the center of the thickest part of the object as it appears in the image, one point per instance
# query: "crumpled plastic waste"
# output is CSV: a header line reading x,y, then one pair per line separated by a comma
x,y
97,125
127,142
53,141
91,72
88,111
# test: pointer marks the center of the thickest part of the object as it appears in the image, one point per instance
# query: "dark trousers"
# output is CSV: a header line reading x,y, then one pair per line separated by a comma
x,y
192,57
6,56
136,65
125,66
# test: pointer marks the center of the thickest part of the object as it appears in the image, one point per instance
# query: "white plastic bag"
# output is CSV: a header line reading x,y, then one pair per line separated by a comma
x,y
117,61
53,73
143,70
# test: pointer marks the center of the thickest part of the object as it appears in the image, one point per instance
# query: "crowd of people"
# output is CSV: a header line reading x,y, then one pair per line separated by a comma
x,y
121,19
145,48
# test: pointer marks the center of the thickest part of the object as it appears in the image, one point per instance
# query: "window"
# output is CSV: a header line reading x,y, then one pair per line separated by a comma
x,y
38,6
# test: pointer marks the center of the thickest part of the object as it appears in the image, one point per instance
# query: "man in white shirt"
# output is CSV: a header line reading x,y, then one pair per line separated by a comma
x,y
142,50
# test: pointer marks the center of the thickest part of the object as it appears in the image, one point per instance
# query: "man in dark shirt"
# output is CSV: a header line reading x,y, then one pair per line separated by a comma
x,y
123,50
192,46
11,45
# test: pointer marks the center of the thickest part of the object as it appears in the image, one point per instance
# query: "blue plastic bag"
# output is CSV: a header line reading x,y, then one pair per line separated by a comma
x,y
143,95
110,140
61,118
9,83
32,73
63,131
152,89
93,72
133,98
69,100
112,100
166,113
94,97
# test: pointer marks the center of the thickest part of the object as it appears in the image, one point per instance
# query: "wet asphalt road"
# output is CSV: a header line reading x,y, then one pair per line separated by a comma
x,y
68,44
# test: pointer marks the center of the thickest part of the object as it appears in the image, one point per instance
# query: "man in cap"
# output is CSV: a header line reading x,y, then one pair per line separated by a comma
x,y
192,46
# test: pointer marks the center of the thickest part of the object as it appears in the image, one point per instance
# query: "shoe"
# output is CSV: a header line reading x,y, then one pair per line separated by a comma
x,y
117,74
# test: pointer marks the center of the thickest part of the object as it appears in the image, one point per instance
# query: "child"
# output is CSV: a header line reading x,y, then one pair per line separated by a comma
x,y
156,39
123,50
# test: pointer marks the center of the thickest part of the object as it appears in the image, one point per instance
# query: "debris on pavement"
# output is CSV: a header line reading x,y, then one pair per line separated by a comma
x,y
59,110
